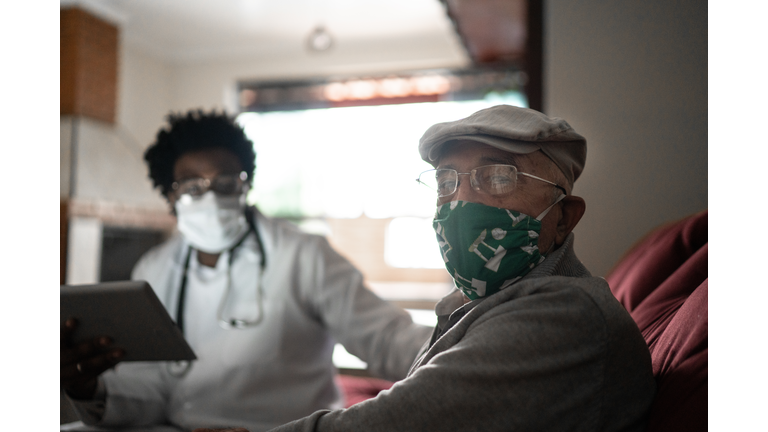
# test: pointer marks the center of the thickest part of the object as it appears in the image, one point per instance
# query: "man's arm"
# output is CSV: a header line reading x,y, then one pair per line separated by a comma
x,y
532,364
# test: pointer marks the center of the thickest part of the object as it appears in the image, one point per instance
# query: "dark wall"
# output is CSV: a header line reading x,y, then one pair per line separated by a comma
x,y
122,248
631,77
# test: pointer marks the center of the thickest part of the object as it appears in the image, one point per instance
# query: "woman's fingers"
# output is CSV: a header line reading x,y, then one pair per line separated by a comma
x,y
82,362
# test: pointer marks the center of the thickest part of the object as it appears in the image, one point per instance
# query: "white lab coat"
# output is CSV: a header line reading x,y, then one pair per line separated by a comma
x,y
278,370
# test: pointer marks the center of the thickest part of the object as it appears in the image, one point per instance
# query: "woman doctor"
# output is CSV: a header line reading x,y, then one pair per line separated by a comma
x,y
261,303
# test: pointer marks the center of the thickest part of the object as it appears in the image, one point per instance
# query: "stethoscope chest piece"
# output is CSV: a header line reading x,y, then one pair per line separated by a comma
x,y
179,368
228,323
235,323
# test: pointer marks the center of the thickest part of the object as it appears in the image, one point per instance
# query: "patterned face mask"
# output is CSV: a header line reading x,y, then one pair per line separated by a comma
x,y
486,248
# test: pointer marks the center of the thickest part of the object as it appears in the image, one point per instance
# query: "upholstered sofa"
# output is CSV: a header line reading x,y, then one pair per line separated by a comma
x,y
662,281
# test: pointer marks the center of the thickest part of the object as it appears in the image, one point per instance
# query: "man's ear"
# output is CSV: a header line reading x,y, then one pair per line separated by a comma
x,y
572,210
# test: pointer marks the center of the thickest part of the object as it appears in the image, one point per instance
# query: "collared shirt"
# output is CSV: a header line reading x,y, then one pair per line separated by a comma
x,y
449,310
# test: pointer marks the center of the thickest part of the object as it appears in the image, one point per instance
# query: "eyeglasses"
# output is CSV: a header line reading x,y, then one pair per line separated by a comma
x,y
490,179
226,184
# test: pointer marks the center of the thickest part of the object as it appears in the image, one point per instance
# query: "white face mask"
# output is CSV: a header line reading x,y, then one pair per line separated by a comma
x,y
212,223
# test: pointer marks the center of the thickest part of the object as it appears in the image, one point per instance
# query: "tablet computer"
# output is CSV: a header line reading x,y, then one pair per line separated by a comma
x,y
131,314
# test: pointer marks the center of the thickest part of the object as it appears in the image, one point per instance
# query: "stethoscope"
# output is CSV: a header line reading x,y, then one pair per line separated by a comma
x,y
180,368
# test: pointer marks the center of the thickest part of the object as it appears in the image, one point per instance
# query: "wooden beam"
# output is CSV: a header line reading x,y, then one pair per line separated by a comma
x,y
88,75
534,55
63,228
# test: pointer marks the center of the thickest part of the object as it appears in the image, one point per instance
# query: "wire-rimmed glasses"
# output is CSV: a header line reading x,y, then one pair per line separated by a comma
x,y
490,179
224,185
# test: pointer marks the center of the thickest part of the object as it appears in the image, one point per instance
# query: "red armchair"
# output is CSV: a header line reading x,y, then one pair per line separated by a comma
x,y
662,282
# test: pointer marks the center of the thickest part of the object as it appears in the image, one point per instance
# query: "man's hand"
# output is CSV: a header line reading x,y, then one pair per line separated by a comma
x,y
81,364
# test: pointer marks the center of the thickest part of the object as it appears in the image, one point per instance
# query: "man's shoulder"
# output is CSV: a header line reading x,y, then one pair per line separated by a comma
x,y
586,292
588,285
568,295
586,302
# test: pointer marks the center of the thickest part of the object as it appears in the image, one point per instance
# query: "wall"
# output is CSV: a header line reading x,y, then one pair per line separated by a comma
x,y
103,174
104,161
145,94
632,78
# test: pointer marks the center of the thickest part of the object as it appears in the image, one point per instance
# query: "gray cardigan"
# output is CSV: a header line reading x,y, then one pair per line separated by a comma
x,y
554,351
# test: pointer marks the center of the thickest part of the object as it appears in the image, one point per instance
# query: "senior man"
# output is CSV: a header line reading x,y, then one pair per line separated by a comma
x,y
529,340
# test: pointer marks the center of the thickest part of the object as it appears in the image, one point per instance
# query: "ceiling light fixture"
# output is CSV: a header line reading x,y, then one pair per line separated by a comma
x,y
319,40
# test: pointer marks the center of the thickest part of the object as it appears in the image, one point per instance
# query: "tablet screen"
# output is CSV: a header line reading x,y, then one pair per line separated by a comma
x,y
131,314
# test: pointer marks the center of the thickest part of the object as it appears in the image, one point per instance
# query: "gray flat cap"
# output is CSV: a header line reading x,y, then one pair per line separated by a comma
x,y
516,130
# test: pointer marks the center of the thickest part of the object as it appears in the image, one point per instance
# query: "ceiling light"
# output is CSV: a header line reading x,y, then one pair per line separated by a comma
x,y
319,40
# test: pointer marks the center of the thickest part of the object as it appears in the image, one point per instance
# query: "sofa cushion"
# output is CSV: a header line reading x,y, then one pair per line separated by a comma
x,y
358,388
662,282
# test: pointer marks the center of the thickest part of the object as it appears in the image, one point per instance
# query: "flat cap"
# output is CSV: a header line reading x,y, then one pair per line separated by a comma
x,y
516,130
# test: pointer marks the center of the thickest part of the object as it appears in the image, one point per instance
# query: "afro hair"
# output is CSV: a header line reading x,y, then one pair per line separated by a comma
x,y
196,130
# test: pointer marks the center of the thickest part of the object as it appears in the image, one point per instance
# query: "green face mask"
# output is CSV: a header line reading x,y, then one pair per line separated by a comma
x,y
486,248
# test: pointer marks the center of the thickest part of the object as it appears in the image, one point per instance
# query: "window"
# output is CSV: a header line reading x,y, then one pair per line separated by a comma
x,y
348,162
349,173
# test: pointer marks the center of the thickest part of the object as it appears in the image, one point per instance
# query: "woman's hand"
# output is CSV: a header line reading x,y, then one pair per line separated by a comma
x,y
82,363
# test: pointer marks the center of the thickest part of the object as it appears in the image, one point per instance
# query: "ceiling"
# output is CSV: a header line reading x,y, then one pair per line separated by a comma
x,y
202,30
494,31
